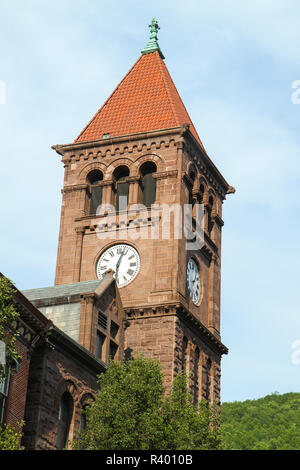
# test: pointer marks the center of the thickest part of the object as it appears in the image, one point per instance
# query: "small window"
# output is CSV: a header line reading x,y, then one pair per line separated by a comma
x,y
209,214
4,384
100,342
183,353
83,419
207,389
114,328
105,136
94,179
196,375
148,183
121,187
113,348
64,420
102,320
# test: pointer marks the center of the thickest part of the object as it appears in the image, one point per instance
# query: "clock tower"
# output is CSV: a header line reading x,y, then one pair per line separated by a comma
x,y
128,177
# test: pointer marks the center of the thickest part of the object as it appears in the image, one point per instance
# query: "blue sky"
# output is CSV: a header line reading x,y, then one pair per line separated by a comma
x,y
234,64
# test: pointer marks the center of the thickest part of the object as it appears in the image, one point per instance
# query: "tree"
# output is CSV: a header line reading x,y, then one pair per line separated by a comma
x,y
10,438
131,412
8,314
269,423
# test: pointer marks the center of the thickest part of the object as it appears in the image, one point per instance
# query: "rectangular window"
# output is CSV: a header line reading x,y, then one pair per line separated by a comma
x,y
113,329
113,348
100,345
96,199
102,320
4,383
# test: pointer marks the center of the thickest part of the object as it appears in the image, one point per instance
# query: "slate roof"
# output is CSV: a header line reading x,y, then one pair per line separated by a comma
x,y
63,290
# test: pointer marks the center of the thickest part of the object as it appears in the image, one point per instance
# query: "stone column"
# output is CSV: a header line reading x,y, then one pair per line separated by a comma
x,y
78,253
133,190
87,327
107,192
214,296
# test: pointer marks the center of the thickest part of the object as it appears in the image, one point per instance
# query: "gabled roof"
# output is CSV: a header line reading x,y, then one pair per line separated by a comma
x,y
145,100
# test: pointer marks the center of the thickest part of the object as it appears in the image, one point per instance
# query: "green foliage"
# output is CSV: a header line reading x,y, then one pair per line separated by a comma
x,y
7,315
10,438
131,412
269,423
188,427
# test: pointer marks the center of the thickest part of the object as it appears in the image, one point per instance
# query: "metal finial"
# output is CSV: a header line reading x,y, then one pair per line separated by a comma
x,y
153,42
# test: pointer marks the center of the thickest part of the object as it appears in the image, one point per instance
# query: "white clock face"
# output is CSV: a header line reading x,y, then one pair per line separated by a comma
x,y
123,259
193,281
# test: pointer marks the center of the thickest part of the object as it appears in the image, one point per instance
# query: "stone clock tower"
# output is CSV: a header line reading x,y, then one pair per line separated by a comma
x,y
141,148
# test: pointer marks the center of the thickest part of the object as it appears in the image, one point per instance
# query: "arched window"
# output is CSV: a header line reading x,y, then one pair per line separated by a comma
x,y
121,187
148,183
83,418
201,192
209,214
64,420
207,389
192,176
183,353
196,375
94,178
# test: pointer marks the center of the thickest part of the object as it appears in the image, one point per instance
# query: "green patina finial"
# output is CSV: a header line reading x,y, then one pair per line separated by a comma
x,y
153,44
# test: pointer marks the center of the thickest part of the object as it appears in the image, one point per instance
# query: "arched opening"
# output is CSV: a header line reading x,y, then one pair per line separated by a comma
x,y
148,183
210,206
201,192
196,376
121,187
192,177
207,388
183,353
94,179
65,414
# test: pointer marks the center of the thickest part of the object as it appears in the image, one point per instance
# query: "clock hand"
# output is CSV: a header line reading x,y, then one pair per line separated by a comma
x,y
119,261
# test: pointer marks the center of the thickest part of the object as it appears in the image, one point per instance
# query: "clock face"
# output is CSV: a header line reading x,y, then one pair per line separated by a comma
x,y
193,281
123,259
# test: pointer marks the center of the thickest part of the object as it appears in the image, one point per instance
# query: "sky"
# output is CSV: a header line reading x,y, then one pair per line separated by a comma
x,y
234,64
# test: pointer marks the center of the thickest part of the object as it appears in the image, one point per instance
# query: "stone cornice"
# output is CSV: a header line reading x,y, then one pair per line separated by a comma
x,y
209,338
74,187
65,148
206,165
177,310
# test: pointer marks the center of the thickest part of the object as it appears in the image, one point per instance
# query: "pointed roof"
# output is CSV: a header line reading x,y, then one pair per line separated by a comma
x,y
145,100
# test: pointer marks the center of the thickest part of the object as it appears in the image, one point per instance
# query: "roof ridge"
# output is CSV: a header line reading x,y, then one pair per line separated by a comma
x,y
166,71
161,64
108,99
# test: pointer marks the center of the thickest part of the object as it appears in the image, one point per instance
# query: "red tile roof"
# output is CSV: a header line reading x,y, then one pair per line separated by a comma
x,y
145,100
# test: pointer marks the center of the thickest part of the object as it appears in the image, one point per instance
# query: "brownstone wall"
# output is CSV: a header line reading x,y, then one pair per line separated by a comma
x,y
52,372
153,337
161,282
